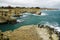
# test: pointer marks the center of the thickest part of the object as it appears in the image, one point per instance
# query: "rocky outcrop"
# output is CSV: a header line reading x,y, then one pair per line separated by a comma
x,y
2,20
32,32
38,13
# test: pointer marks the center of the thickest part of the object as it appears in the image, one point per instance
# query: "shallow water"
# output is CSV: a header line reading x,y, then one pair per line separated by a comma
x,y
51,18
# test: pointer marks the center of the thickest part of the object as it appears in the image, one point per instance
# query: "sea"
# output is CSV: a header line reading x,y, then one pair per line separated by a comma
x,y
47,17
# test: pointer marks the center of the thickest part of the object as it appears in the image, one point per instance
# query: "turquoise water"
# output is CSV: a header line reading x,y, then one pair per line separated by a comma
x,y
47,18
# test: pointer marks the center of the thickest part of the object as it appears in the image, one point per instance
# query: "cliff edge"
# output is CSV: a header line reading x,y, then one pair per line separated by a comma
x,y
30,32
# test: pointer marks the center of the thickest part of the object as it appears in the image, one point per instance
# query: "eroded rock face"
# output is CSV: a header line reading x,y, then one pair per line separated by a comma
x,y
31,32
2,20
5,20
40,13
47,34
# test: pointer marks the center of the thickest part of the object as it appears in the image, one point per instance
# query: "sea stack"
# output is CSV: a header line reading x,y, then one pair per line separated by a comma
x,y
39,13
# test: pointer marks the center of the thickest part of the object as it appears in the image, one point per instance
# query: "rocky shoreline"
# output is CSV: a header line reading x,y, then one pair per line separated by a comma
x,y
52,29
31,32
7,20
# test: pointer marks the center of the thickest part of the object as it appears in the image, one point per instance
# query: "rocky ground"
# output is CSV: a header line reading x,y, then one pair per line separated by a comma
x,y
30,32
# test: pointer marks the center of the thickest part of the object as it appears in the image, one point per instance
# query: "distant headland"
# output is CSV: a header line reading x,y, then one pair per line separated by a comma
x,y
7,13
10,7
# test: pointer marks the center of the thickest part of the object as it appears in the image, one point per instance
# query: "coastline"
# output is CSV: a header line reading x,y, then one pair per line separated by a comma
x,y
32,32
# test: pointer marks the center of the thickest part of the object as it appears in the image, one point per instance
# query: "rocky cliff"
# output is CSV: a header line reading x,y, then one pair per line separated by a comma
x,y
30,32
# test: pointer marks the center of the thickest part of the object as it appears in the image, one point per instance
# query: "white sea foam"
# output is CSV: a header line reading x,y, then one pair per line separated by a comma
x,y
57,29
26,13
20,20
55,26
35,15
44,14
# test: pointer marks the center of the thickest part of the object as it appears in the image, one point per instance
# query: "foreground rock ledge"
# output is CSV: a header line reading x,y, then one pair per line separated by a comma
x,y
30,32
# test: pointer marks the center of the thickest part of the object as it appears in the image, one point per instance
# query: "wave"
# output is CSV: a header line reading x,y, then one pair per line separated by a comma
x,y
26,13
42,14
35,15
20,20
54,25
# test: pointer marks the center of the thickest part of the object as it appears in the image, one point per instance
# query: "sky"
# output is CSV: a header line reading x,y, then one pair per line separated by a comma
x,y
31,3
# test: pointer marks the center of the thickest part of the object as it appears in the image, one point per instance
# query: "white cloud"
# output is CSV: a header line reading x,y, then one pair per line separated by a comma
x,y
31,3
